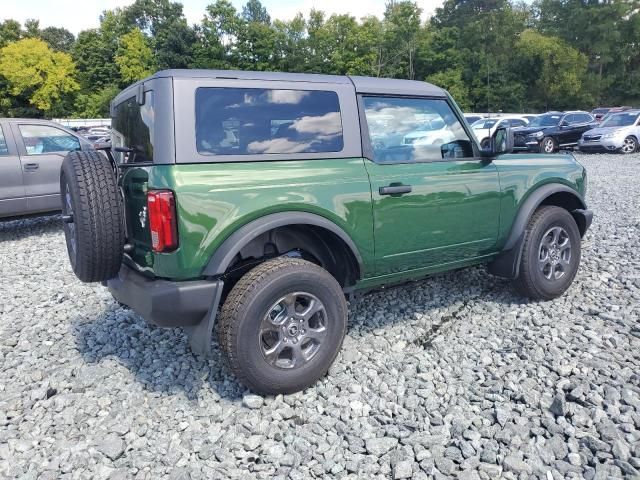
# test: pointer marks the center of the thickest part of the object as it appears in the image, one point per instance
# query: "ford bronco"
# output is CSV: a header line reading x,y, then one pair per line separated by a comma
x,y
266,199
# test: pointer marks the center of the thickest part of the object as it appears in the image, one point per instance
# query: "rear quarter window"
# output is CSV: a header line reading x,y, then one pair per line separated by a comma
x,y
254,121
132,129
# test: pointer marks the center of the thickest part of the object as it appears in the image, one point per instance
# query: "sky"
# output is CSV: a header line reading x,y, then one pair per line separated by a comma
x,y
77,15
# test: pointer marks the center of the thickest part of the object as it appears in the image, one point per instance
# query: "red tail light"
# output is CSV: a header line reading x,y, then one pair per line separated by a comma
x,y
162,220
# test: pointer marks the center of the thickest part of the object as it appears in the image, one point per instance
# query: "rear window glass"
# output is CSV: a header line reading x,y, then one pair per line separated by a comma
x,y
251,121
132,130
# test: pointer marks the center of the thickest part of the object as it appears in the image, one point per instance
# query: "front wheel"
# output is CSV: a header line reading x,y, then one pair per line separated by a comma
x,y
630,145
548,145
282,325
550,254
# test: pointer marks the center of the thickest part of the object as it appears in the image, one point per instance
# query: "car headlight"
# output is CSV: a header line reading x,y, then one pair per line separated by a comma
x,y
615,133
539,134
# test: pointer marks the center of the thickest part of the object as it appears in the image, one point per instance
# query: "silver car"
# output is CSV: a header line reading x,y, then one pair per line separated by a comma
x,y
619,132
31,152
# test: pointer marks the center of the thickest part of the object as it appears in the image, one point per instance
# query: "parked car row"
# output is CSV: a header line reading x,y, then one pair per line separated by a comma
x,y
604,129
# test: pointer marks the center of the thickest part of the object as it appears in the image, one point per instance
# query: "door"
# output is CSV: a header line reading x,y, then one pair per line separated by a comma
x,y
581,123
12,197
434,202
42,149
565,128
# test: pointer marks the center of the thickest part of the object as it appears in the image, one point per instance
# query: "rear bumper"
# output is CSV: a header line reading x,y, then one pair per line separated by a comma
x,y
162,302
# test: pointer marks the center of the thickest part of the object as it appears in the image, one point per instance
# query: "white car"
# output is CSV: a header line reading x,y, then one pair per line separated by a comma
x,y
431,132
484,128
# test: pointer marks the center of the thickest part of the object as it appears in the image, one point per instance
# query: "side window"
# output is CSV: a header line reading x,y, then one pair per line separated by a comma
x,y
515,122
245,121
45,139
4,149
568,119
406,130
583,118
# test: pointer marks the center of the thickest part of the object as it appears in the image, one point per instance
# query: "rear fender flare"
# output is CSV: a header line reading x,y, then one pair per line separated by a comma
x,y
226,252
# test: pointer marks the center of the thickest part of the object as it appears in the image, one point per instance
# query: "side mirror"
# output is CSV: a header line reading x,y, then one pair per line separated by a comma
x,y
564,123
501,142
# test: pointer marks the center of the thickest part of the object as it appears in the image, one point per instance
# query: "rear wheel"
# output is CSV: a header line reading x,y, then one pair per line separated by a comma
x,y
550,255
630,145
548,145
282,325
92,216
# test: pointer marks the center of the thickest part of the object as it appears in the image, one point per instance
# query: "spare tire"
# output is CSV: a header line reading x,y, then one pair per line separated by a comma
x,y
92,215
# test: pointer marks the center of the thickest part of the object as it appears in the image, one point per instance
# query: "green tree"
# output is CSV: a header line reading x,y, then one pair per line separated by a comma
x,y
254,11
95,103
559,68
451,80
216,35
170,37
134,57
59,39
10,31
33,71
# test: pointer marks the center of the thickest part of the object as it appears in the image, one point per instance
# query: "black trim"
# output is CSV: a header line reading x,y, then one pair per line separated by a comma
x,y
532,202
224,255
165,303
507,263
583,218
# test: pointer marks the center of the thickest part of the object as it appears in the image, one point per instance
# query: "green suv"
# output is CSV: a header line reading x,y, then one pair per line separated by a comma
x,y
265,200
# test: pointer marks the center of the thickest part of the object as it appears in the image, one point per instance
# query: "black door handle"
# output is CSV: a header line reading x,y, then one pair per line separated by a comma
x,y
30,167
395,189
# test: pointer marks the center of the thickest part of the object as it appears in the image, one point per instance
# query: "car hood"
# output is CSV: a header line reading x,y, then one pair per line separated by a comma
x,y
603,130
528,130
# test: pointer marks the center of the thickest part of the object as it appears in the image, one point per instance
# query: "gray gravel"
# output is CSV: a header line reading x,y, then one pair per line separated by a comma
x,y
455,376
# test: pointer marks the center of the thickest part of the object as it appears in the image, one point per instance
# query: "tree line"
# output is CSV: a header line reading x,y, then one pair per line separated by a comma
x,y
491,55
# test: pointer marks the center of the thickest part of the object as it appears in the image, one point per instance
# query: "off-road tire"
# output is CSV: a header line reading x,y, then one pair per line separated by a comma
x,y
93,227
531,281
551,141
251,299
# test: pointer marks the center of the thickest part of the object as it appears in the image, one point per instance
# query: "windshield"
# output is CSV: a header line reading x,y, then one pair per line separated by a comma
x,y
132,130
621,119
481,124
545,120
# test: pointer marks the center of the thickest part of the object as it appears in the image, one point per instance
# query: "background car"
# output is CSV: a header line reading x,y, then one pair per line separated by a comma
x,y
472,118
553,130
31,153
599,113
484,128
432,131
618,132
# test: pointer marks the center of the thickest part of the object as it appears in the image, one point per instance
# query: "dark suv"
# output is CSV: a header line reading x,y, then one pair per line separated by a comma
x,y
273,197
551,131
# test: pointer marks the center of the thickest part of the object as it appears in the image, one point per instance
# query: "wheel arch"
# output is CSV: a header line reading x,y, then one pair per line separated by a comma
x,y
507,263
319,233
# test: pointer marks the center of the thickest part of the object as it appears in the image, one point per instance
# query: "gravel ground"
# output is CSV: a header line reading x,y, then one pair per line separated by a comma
x,y
452,377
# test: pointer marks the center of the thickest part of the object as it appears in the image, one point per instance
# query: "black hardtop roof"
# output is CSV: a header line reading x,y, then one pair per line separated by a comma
x,y
391,86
